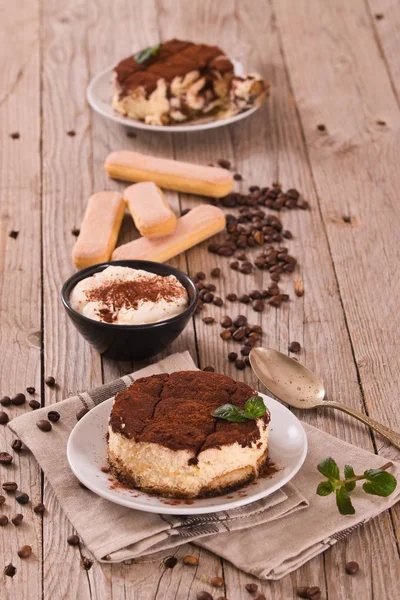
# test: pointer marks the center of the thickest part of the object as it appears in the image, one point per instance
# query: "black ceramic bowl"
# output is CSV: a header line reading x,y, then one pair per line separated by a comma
x,y
130,342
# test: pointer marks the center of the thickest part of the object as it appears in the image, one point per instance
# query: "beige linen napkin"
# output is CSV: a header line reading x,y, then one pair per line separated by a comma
x,y
268,538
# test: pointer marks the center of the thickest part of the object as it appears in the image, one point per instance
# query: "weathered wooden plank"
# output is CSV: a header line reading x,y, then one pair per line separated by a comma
x,y
20,293
67,184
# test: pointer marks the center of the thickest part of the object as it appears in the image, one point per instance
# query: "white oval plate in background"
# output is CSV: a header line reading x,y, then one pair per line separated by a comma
x,y
100,91
87,446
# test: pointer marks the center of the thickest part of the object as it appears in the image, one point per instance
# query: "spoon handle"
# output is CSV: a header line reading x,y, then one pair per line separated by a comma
x,y
387,433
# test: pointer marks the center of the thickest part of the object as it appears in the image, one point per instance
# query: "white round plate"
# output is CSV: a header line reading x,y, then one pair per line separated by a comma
x,y
99,94
86,452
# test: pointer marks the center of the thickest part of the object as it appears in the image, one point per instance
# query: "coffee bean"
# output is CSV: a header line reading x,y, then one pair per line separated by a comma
x,y
241,255
17,445
4,418
17,519
191,561
50,381
240,321
200,276
18,399
22,498
314,593
71,133
226,322
245,350
34,404
240,364
225,164
73,540
10,570
170,562
379,16
294,347
218,301
232,356
255,294
217,582
25,551
210,287
30,390
244,299
5,458
15,135
3,520
44,425
212,247
224,251
208,297
287,234
208,320
53,416
9,486
260,597
216,272
39,508
81,413
231,297
75,231
225,334
303,204
237,177
256,329
13,234
352,567
275,301
302,592
251,587
239,334
203,596
209,369
5,401
258,305
321,127
246,269
87,563
234,265
2,500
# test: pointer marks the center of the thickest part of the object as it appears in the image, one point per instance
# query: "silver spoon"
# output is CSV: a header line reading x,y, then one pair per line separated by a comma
x,y
296,385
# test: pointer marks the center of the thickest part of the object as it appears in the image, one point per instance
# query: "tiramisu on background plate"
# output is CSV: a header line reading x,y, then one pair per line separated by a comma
x,y
163,439
179,81
126,296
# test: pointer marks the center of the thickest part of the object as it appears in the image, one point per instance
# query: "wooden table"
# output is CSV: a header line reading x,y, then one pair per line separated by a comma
x,y
330,63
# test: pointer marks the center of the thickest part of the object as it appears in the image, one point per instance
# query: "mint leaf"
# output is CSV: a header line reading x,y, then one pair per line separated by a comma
x,y
343,501
254,408
348,474
324,488
229,412
329,469
379,483
147,53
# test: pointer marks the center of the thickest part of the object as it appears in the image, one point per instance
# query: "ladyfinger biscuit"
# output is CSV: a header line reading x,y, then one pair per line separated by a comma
x,y
199,224
170,174
149,209
99,230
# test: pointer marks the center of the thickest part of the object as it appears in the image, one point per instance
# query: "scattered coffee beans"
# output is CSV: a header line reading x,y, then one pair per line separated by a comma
x,y
75,231
231,297
352,567
314,593
251,587
17,519
18,399
87,563
208,320
260,597
299,287
4,418
203,596
217,582
225,334
50,381
34,404
3,520
240,364
5,458
81,413
232,356
73,540
216,272
170,562
30,390
225,164
209,368
22,498
10,570
10,486
294,347
13,234
2,500
191,561
44,425
5,401
17,445
25,551
53,416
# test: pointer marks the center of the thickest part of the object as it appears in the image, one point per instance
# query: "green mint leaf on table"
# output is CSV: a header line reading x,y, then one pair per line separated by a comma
x,y
254,407
343,501
229,412
379,483
146,53
349,474
325,488
329,468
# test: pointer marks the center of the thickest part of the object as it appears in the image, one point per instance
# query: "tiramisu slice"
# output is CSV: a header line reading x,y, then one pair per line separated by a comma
x,y
179,81
163,438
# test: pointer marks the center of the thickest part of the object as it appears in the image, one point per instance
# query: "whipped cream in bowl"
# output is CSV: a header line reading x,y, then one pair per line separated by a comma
x,y
130,309
126,296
